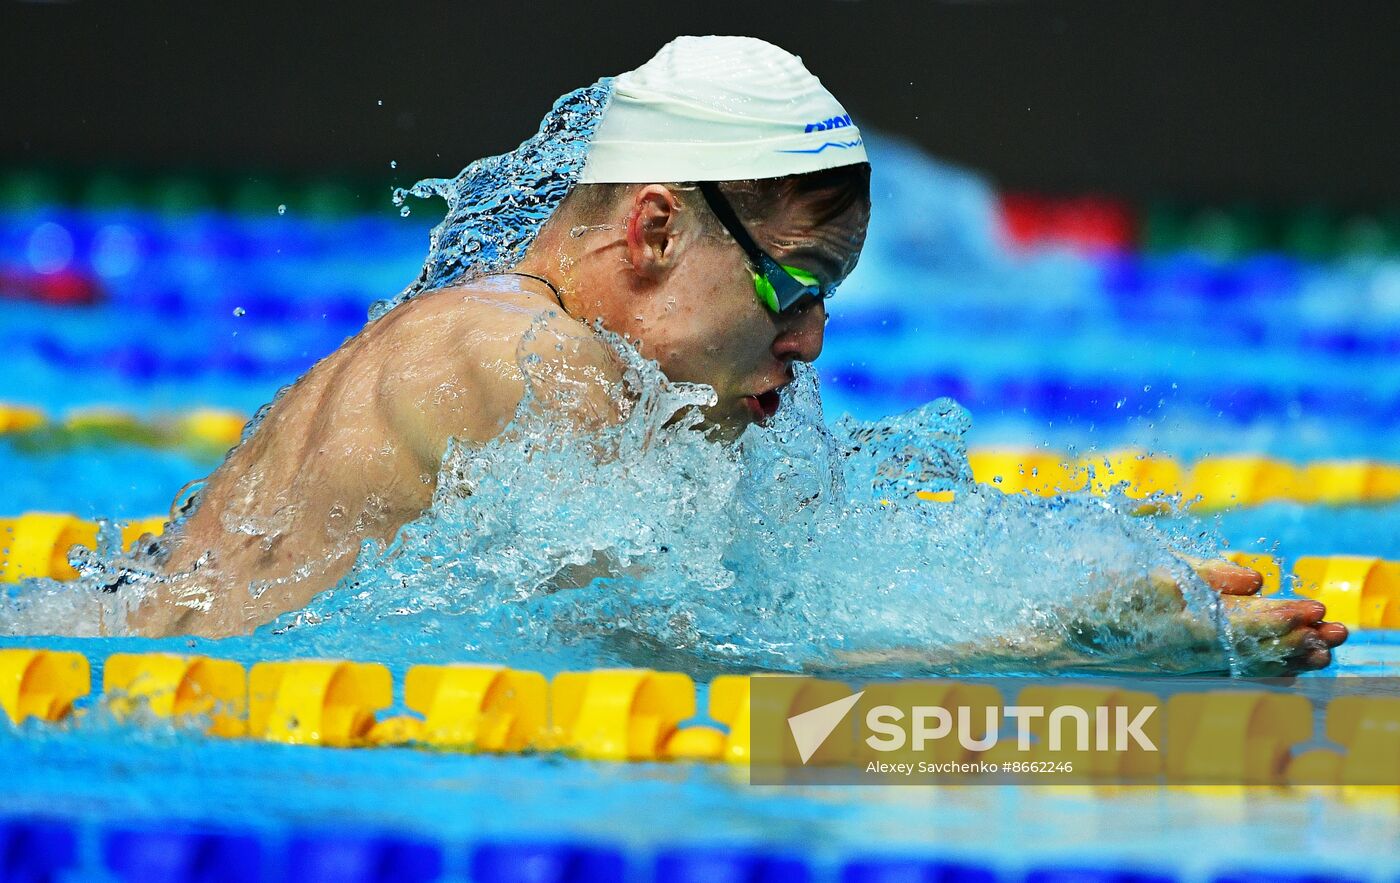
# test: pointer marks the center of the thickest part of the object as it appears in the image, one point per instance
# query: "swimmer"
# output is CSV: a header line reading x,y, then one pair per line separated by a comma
x,y
725,195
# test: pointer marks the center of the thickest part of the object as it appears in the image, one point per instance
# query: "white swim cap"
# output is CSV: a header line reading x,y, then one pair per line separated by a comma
x,y
719,109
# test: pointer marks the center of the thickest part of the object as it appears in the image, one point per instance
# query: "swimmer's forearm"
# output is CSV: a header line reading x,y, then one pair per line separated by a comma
x,y
1046,657
1040,652
1095,639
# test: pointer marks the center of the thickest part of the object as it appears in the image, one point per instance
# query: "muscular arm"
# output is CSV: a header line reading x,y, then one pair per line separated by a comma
x,y
352,451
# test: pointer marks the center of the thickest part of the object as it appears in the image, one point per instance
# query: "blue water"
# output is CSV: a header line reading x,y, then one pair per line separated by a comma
x,y
1180,354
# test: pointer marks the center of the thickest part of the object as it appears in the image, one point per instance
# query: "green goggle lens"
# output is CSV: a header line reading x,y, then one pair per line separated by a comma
x,y
768,294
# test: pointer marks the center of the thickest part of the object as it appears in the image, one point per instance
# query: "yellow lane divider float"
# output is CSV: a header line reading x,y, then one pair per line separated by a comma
x,y
1210,484
619,714
732,703
41,684
481,707
203,431
1366,728
1236,737
36,544
1359,592
317,702
169,685
19,418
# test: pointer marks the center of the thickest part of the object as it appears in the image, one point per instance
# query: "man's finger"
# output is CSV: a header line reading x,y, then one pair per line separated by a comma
x,y
1333,633
1312,652
1298,614
1230,579
1309,612
1320,658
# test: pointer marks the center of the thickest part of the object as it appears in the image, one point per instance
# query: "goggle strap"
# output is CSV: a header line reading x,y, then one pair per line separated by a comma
x,y
725,212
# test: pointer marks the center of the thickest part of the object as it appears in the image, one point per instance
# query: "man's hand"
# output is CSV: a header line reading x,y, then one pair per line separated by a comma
x,y
1294,626
1144,626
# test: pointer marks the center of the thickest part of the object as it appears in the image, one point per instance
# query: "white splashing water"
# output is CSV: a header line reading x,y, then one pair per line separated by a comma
x,y
798,548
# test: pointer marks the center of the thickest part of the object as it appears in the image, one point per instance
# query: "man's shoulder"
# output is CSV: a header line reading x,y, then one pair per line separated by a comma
x,y
458,359
491,331
490,313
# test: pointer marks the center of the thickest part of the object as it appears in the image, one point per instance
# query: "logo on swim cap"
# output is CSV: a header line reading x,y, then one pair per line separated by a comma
x,y
839,145
840,122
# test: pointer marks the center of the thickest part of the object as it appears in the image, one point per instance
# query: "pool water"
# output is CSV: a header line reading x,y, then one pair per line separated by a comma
x,y
1181,353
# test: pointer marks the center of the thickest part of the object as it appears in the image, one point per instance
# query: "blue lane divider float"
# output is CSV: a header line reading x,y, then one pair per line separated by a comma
x,y
127,239
140,361
525,862
182,854
1037,396
335,857
1048,396
190,854
913,870
1135,279
1086,874
711,865
1278,877
260,305
35,850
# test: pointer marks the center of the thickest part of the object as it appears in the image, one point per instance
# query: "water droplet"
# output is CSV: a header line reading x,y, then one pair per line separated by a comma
x,y
281,210
581,229
239,311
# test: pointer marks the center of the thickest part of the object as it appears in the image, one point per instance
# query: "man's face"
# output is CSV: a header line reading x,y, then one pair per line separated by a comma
x,y
707,326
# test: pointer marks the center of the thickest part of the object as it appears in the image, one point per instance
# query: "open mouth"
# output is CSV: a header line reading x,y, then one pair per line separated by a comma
x,y
764,405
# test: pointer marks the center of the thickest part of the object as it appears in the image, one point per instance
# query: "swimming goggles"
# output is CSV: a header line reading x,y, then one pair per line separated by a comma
x,y
782,289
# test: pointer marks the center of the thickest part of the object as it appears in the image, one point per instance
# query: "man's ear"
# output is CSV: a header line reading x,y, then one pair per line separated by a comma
x,y
652,231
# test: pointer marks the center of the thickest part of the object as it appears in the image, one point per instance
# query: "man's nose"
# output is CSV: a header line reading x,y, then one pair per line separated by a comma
x,y
800,336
